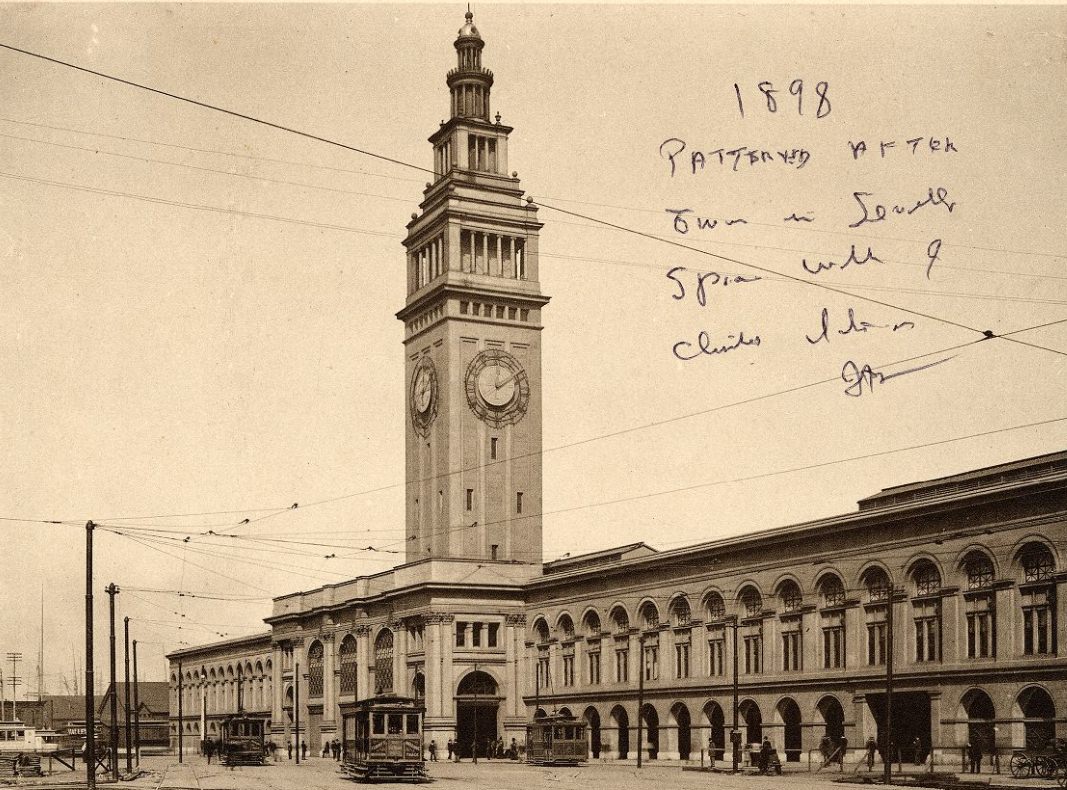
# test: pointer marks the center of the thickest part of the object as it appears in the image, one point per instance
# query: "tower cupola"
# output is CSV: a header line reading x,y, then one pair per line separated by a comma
x,y
469,82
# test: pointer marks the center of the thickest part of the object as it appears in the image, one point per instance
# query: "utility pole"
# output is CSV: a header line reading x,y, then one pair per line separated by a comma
x,y
111,590
15,681
126,697
887,755
640,692
90,708
181,724
136,710
296,708
735,733
474,750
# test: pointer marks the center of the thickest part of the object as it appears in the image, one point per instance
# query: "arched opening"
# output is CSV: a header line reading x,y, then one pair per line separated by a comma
x,y
383,662
477,709
540,714
789,712
347,655
753,723
592,723
1039,713
315,658
650,734
978,709
715,721
832,743
620,722
681,724
591,621
680,612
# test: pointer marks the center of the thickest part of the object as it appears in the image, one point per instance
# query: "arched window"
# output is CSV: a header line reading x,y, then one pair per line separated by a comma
x,y
383,662
315,654
566,626
681,614
789,593
832,590
541,629
620,619
926,578
877,583
715,606
348,665
649,615
751,601
979,569
1038,599
477,683
592,623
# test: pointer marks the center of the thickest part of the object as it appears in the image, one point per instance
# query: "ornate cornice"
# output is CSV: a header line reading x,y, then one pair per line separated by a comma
x,y
433,618
515,619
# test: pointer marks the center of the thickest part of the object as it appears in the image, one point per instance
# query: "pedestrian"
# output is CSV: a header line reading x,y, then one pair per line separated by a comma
x,y
303,750
872,747
433,751
289,746
209,749
325,749
336,750
451,748
514,749
975,755
917,751
765,755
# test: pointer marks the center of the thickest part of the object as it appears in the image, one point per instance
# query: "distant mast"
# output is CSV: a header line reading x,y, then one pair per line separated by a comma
x,y
40,654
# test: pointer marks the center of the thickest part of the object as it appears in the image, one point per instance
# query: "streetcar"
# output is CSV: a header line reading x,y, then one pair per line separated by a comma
x,y
556,740
242,740
382,740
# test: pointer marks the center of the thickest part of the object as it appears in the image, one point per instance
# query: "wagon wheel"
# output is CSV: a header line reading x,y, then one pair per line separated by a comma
x,y
1045,766
1061,774
1021,767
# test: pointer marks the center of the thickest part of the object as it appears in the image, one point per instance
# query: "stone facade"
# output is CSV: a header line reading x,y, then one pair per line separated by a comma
x,y
959,582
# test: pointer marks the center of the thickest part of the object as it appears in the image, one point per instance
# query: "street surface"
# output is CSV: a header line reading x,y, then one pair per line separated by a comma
x,y
165,773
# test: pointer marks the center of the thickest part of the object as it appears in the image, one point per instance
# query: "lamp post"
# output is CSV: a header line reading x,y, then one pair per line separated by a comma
x,y
203,708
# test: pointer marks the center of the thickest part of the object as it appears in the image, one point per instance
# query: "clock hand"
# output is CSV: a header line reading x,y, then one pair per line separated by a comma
x,y
505,381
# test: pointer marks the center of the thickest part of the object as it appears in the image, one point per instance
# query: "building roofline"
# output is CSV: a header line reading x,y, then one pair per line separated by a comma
x,y
232,642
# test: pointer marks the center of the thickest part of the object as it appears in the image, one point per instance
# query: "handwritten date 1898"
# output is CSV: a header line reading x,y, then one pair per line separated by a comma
x,y
796,88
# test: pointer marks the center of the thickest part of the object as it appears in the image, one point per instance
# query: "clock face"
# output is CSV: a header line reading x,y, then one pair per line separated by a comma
x,y
423,396
498,390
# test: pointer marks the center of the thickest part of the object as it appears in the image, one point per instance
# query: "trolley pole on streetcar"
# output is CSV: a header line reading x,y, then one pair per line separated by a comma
x,y
296,709
887,755
181,712
640,691
111,589
126,697
136,710
90,708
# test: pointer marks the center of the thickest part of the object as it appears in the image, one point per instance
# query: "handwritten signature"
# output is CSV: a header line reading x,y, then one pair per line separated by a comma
x,y
862,379
705,346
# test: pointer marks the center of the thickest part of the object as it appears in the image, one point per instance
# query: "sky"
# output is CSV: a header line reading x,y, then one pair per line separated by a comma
x,y
198,310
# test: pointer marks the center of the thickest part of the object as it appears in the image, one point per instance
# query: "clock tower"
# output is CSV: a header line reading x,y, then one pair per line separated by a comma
x,y
472,324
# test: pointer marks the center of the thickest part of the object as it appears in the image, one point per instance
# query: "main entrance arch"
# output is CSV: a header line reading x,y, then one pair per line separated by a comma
x,y
715,722
477,709
789,713
592,722
620,721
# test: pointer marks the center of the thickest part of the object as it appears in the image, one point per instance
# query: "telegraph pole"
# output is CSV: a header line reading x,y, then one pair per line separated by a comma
x,y
126,697
136,710
887,755
14,680
640,692
181,724
90,708
111,590
296,708
735,733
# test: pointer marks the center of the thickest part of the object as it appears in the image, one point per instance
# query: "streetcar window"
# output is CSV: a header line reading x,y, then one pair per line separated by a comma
x,y
396,723
413,724
559,733
379,723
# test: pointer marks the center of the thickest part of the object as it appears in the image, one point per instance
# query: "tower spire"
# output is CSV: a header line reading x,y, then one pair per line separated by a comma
x,y
469,82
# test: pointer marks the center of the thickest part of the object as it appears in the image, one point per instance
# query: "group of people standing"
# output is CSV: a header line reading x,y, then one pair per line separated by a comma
x,y
493,748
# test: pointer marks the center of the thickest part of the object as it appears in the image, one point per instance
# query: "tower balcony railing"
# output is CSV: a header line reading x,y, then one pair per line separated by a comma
x,y
481,72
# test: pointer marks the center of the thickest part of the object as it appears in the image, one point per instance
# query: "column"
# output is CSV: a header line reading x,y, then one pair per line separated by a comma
x,y
453,247
400,655
329,689
515,629
363,653
855,638
448,685
277,696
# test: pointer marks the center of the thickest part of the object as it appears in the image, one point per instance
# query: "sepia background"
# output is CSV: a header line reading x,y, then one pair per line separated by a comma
x,y
197,312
